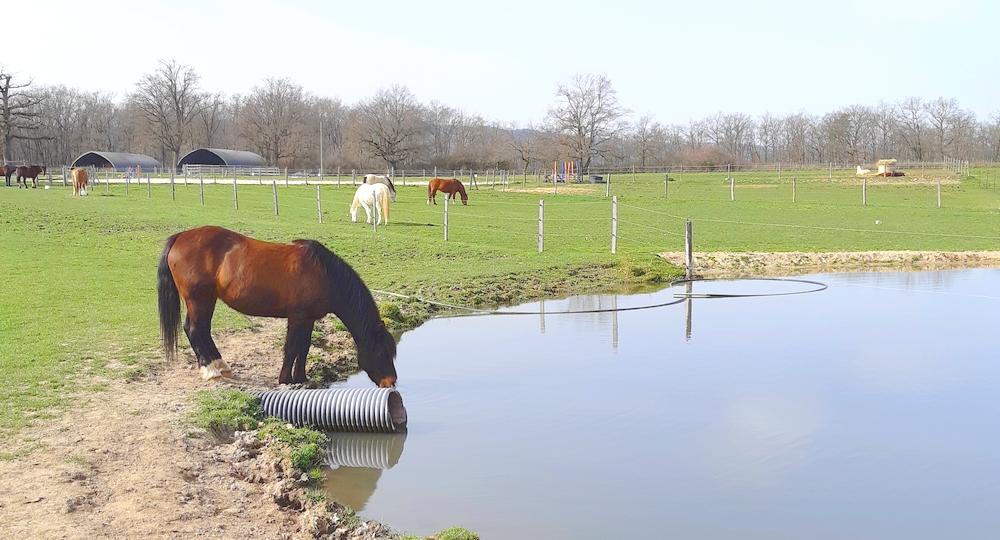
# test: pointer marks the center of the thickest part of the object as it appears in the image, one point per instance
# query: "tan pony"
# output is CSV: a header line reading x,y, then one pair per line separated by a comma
x,y
80,181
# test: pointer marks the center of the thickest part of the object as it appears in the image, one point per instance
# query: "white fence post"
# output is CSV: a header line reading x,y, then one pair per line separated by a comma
x,y
541,225
688,250
614,224
793,189
864,191
236,194
445,217
939,193
319,208
201,187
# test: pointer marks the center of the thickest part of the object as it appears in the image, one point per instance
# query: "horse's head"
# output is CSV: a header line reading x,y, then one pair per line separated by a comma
x,y
463,194
376,359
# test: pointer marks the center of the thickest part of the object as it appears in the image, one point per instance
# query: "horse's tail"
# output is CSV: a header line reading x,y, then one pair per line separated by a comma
x,y
384,197
169,301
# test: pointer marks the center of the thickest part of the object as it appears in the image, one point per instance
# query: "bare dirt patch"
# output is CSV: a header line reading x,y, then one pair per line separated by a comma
x,y
795,262
126,463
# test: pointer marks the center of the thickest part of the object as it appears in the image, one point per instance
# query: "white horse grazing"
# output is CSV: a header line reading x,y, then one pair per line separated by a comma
x,y
374,198
863,172
382,179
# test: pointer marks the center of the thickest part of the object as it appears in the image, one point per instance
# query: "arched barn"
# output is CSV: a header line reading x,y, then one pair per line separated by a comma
x,y
222,157
118,161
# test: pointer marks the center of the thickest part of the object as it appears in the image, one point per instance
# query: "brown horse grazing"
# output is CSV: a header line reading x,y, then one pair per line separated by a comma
x,y
8,171
301,281
31,172
450,186
80,181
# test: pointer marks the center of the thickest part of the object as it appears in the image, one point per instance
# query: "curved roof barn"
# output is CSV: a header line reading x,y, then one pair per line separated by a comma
x,y
223,157
115,160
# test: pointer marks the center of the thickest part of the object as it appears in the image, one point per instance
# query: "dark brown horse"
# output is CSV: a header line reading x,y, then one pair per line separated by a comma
x,y
450,186
31,172
301,281
8,171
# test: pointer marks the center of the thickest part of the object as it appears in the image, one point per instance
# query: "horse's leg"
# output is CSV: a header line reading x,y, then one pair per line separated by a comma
x,y
299,369
296,349
198,327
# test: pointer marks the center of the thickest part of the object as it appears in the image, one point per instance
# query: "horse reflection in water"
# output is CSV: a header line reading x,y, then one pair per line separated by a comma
x,y
356,462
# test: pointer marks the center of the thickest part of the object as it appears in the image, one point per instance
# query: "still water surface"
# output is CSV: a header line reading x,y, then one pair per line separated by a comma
x,y
869,410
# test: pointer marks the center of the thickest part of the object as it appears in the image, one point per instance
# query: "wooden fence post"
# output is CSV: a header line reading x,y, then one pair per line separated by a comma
x,y
173,190
274,192
614,224
666,178
541,224
793,189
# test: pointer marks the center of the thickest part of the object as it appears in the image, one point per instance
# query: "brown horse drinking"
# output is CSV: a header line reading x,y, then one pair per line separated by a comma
x,y
301,281
450,186
27,172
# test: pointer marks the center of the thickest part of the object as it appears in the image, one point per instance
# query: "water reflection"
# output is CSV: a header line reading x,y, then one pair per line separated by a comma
x,y
355,463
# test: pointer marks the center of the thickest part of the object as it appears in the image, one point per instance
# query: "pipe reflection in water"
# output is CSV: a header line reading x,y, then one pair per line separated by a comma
x,y
372,451
356,462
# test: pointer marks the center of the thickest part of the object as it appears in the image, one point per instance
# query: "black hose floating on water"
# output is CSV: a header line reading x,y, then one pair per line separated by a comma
x,y
681,297
817,287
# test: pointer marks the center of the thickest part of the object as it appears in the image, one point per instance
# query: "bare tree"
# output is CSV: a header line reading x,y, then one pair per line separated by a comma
x,y
912,120
588,116
524,142
211,118
273,119
388,124
649,138
169,99
19,115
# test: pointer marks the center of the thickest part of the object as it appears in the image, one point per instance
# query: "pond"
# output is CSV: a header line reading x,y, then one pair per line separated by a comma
x,y
868,410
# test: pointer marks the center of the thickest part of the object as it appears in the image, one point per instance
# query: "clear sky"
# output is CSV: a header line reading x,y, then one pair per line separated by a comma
x,y
503,60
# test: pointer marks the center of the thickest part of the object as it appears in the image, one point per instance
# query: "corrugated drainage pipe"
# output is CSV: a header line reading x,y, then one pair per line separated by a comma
x,y
338,409
365,450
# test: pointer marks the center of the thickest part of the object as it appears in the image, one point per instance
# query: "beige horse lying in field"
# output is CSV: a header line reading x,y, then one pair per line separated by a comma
x,y
374,198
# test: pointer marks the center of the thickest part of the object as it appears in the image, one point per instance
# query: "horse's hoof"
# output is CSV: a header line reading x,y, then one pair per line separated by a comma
x,y
218,368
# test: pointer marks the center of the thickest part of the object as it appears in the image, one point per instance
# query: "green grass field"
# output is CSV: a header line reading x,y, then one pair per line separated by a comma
x,y
78,274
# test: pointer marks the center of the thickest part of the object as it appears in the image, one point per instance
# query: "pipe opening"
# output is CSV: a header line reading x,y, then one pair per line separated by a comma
x,y
396,411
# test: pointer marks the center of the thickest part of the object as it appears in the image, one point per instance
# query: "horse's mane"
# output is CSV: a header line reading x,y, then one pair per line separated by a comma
x,y
356,306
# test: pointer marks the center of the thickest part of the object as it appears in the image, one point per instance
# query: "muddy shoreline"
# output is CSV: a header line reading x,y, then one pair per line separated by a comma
x,y
717,264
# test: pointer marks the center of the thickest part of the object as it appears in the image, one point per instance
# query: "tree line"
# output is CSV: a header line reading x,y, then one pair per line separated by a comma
x,y
167,113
